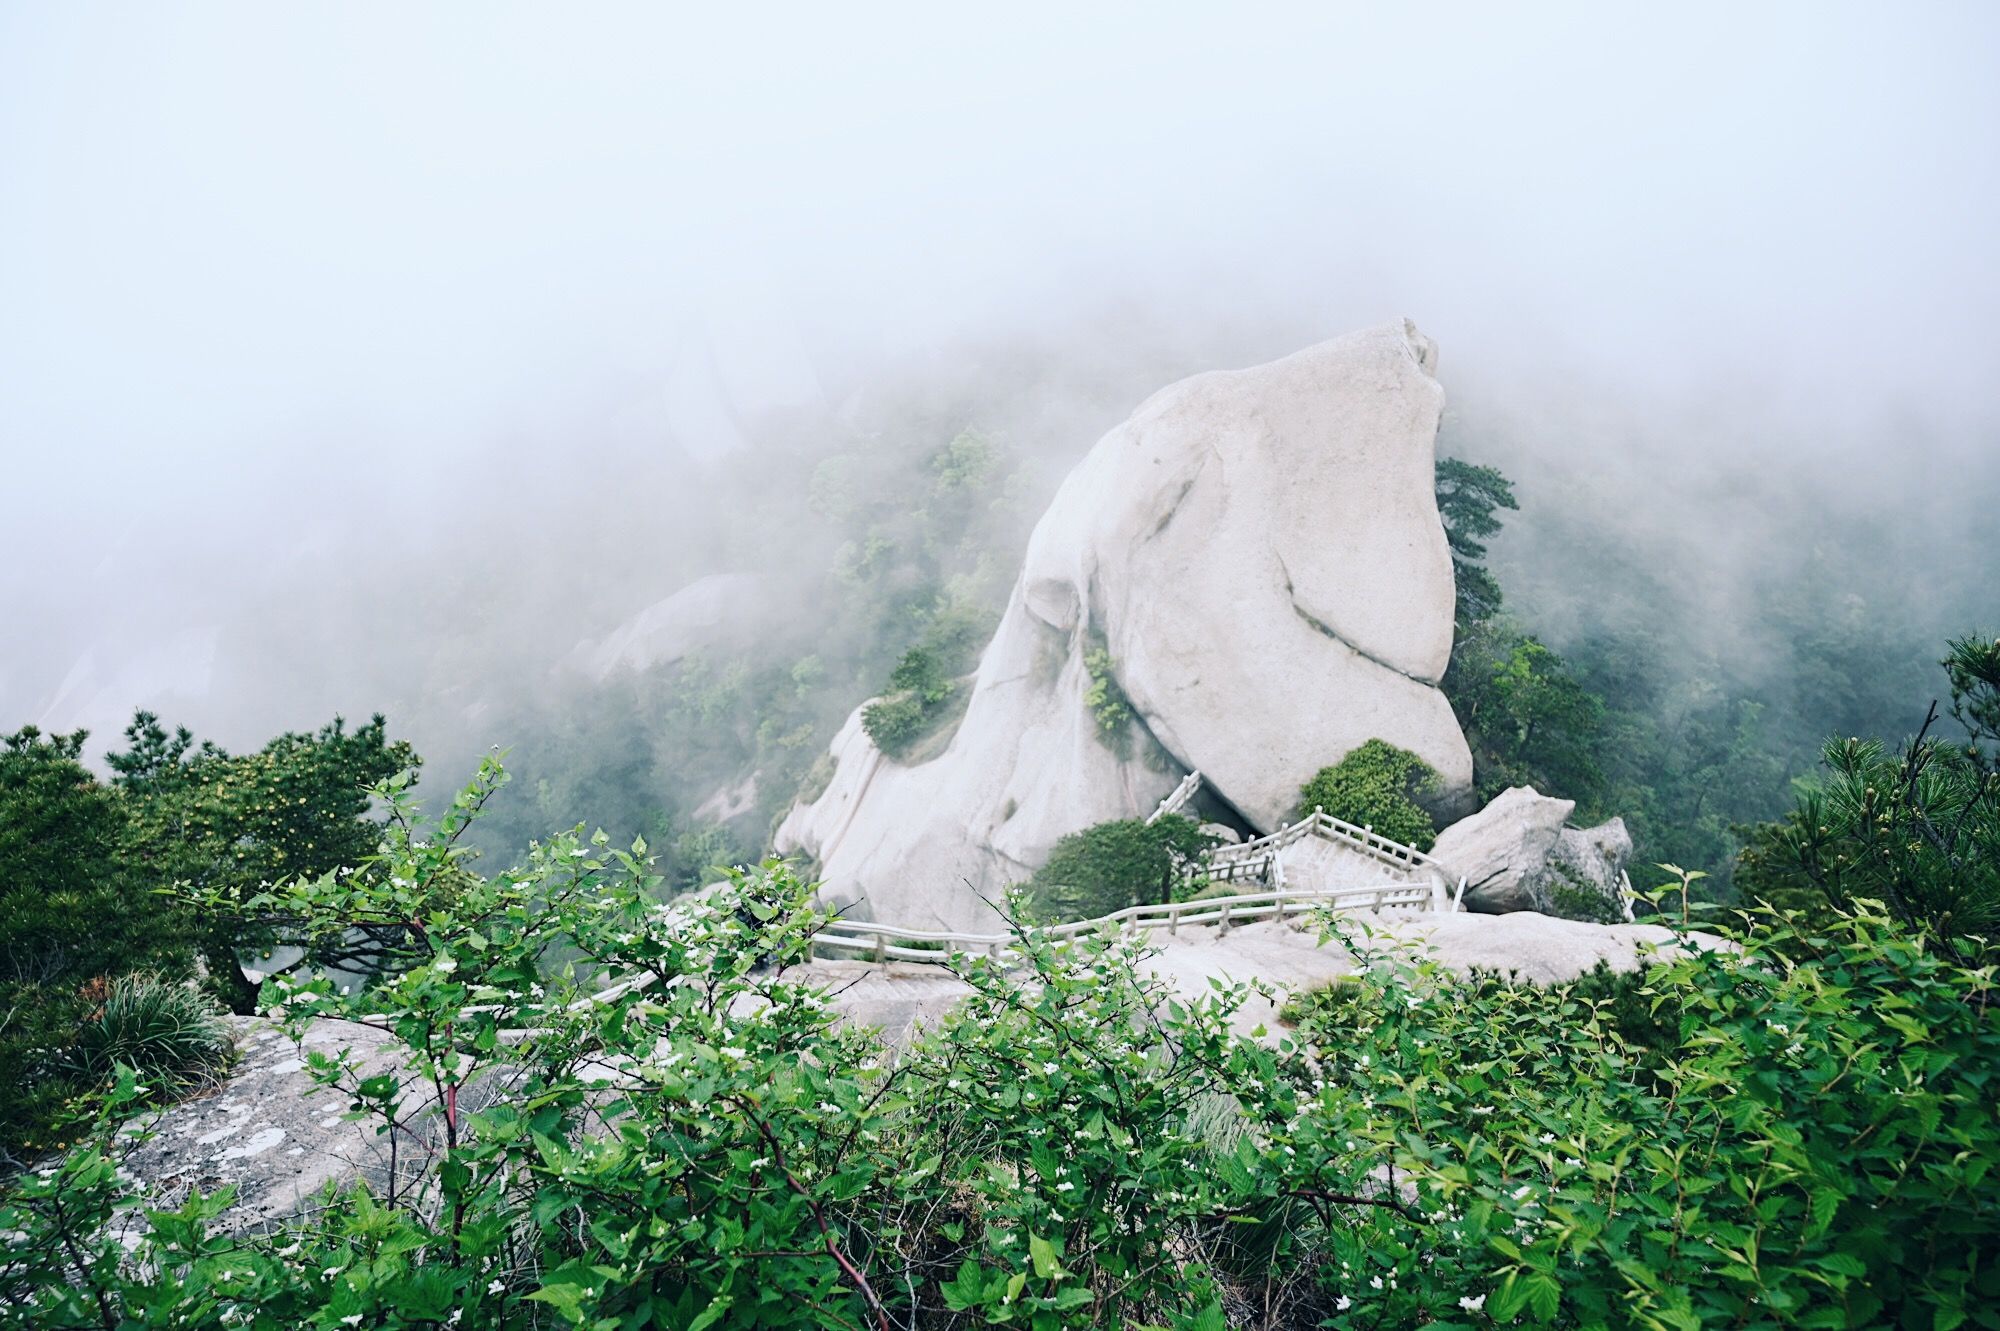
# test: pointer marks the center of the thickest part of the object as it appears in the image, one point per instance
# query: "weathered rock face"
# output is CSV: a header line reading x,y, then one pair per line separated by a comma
x,y
1518,853
263,1133
1259,554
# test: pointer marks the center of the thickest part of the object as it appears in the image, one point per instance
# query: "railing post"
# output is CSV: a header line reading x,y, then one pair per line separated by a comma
x,y
1222,925
881,949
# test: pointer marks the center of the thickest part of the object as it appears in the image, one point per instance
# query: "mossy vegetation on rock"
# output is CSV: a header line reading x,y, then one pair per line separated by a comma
x,y
1108,705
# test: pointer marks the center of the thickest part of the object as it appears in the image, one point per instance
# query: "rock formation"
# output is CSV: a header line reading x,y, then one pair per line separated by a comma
x,y
1253,561
719,613
1519,853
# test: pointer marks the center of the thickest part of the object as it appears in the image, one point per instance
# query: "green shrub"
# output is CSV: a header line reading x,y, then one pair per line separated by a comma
x,y
701,854
1797,1134
172,1034
1113,865
921,699
1917,828
896,723
1338,1002
1806,1139
1377,785
75,906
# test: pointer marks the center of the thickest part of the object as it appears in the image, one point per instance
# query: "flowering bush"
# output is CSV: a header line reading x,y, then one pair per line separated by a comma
x,y
611,1115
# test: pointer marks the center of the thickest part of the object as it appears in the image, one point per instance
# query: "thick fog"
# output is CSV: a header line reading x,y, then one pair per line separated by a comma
x,y
372,357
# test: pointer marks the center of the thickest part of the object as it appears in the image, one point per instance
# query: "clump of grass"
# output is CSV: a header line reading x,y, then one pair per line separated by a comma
x,y
172,1034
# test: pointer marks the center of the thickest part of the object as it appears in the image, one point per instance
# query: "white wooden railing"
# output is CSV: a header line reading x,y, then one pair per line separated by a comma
x,y
1262,857
888,942
1178,800
1412,880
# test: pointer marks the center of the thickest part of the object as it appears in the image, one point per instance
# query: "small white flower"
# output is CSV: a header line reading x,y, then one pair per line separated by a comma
x,y
1523,1191
1471,1303
496,1287
1343,1303
456,1313
444,965
1376,1283
353,1319
1065,1186
734,1051
1048,1067
1547,1138
1482,1109
330,1272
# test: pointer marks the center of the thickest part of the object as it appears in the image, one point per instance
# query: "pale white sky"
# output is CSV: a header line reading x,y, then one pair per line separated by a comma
x,y
255,251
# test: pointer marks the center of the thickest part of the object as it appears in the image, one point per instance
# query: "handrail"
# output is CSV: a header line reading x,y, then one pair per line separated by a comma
x,y
864,936
1177,799
1324,825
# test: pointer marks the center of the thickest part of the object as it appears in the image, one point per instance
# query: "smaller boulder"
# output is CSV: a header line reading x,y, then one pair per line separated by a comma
x,y
1518,853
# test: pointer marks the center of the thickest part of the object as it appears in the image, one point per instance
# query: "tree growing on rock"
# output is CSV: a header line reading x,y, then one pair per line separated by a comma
x,y
1127,862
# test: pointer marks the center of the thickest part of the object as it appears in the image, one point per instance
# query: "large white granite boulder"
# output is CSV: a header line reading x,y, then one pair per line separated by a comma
x,y
1519,854
1257,554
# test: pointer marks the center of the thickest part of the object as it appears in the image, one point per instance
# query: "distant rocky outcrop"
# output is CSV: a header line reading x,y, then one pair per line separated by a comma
x,y
1248,577
1519,853
723,612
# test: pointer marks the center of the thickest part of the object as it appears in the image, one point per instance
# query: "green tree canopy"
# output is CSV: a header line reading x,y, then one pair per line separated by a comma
x,y
1128,862
1917,828
71,917
228,824
1468,499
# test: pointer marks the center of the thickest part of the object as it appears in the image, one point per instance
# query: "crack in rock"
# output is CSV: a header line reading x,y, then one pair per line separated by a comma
x,y
1291,594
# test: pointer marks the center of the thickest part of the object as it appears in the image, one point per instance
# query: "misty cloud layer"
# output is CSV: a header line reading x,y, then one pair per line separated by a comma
x,y
355,355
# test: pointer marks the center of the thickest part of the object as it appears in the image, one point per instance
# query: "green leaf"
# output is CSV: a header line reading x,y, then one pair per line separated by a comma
x,y
712,1314
1043,1254
1544,1295
1507,1300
